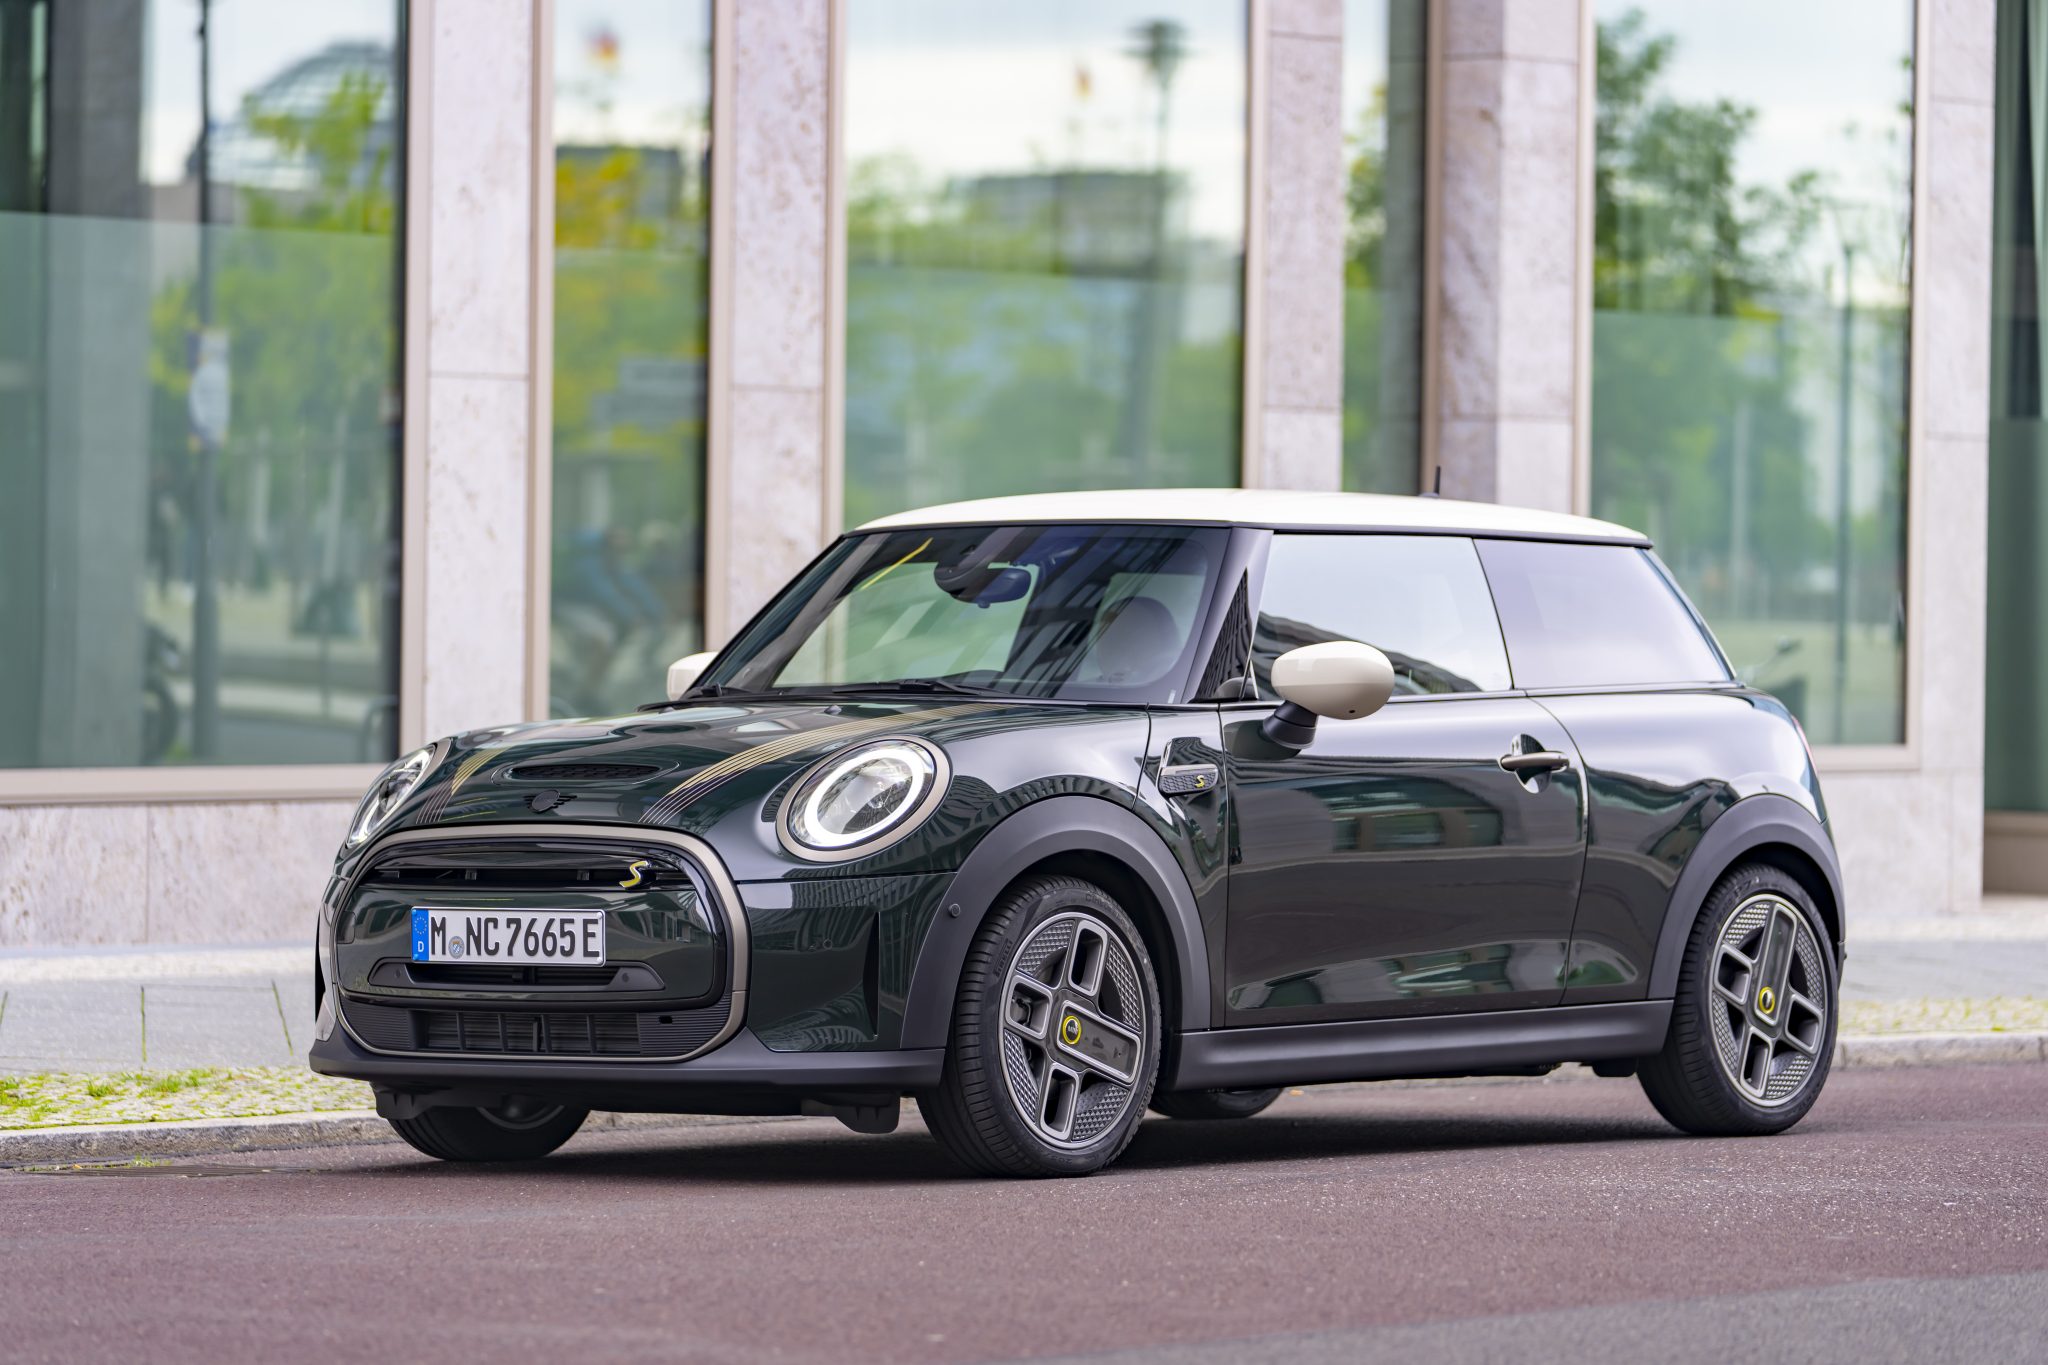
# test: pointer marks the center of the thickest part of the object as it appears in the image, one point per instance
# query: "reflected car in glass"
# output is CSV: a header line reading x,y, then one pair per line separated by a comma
x,y
1048,810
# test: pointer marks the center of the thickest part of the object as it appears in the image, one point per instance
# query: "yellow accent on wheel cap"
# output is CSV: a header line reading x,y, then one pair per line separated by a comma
x,y
1070,1030
1766,1000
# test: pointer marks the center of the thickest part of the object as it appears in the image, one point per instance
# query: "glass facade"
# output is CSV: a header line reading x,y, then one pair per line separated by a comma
x,y
632,120
1385,115
1045,247
199,381
1752,225
2016,642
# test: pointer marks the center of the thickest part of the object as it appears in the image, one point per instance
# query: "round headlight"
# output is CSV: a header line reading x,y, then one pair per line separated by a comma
x,y
392,786
862,800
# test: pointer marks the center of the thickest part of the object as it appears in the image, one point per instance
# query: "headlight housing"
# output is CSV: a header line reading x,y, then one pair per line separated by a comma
x,y
862,799
392,786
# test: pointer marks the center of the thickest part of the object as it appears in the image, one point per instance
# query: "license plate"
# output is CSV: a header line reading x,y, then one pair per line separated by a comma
x,y
572,936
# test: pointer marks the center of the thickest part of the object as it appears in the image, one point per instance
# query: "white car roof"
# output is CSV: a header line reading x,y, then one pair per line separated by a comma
x,y
1270,507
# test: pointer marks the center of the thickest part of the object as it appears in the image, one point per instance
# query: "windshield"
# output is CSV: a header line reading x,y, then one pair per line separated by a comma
x,y
1087,613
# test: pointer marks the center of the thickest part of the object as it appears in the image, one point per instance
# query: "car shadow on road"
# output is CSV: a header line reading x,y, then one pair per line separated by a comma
x,y
816,1152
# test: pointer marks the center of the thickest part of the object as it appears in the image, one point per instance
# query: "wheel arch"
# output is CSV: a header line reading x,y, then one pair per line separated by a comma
x,y
1765,828
1079,836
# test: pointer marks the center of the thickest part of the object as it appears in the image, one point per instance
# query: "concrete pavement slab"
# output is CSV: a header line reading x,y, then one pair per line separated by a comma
x,y
214,1024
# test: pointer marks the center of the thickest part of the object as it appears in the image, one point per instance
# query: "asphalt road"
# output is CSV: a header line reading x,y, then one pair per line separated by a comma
x,y
1906,1219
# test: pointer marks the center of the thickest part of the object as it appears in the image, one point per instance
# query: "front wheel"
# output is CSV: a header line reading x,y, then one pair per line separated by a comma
x,y
1055,1039
518,1130
1753,1026
1214,1104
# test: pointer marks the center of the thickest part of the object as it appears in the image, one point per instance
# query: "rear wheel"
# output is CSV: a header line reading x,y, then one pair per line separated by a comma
x,y
1214,1104
518,1130
1055,1039
1753,1026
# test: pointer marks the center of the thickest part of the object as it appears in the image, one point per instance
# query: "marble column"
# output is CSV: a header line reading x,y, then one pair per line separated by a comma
x,y
475,191
1508,244
771,497
1297,388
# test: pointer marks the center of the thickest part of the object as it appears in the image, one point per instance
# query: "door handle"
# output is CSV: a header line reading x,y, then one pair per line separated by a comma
x,y
1529,764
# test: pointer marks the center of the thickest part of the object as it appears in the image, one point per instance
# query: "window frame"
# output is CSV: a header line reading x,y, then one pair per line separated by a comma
x,y
154,783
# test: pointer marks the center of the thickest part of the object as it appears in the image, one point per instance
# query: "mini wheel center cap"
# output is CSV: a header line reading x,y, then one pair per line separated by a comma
x,y
1070,1030
1766,1000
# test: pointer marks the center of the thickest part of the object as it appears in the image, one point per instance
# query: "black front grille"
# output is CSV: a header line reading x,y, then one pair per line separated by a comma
x,y
537,1033
583,772
490,974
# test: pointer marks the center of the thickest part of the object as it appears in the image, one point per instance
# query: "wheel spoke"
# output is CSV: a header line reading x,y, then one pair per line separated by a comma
x,y
1059,1099
1085,959
1030,1007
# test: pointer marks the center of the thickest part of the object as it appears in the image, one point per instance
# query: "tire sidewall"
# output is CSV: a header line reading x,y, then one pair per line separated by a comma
x,y
1049,903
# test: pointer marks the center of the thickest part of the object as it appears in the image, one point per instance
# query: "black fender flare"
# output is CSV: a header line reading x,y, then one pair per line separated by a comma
x,y
1059,824
1750,823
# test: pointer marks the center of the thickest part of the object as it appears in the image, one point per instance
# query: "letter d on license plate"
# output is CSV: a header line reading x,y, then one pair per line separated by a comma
x,y
513,936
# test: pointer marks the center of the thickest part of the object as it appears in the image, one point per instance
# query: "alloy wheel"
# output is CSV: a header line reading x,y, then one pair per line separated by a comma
x,y
1073,1037
1769,1007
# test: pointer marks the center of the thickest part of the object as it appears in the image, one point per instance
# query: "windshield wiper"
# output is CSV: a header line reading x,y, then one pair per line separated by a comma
x,y
947,685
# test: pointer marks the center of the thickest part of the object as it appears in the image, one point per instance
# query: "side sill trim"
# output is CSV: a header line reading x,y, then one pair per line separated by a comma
x,y
1437,1045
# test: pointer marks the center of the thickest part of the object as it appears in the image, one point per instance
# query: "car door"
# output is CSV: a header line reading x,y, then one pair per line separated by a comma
x,y
1396,865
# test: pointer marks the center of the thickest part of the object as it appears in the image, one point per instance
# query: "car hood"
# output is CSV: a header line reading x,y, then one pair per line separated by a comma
x,y
708,767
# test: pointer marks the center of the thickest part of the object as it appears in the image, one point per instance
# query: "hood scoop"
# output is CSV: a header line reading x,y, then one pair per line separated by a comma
x,y
583,772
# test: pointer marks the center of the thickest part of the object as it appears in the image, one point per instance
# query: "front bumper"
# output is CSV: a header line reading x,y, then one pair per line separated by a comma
x,y
741,1076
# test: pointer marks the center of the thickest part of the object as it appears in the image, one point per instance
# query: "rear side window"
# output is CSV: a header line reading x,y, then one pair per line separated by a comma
x,y
1420,599
1594,615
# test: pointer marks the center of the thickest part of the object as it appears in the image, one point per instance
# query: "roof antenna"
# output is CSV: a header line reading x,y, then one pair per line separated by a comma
x,y
1436,485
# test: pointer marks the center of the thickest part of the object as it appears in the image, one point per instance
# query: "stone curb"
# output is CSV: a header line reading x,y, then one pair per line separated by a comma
x,y
199,1137
267,1133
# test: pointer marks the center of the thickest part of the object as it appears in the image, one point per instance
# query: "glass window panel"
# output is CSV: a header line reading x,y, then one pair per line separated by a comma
x,y
199,381
1420,599
1384,118
2016,645
632,290
1076,612
1045,247
1751,231
1594,616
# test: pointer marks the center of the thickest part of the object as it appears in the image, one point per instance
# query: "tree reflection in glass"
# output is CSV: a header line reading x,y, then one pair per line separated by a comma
x,y
1045,237
1751,229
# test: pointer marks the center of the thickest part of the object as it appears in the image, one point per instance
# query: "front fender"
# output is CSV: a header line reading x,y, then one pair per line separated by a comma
x,y
1060,824
1749,824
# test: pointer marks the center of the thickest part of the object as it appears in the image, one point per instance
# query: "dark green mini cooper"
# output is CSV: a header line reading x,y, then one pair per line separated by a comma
x,y
1048,810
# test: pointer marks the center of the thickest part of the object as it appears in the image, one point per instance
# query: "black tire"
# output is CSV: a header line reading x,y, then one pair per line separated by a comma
x,y
1687,1081
1214,1104
973,1112
510,1133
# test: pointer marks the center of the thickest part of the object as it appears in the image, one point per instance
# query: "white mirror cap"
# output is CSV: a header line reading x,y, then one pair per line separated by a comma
x,y
684,672
1341,679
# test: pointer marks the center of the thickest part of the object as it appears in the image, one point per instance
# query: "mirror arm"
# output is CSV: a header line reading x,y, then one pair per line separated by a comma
x,y
1291,726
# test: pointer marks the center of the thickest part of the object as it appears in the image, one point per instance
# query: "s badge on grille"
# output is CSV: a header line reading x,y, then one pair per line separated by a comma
x,y
633,871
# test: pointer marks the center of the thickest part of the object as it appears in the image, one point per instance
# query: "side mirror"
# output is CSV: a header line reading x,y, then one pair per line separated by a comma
x,y
1341,679
684,672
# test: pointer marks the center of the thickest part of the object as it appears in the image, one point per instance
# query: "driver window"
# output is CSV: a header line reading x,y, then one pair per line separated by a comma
x,y
1422,600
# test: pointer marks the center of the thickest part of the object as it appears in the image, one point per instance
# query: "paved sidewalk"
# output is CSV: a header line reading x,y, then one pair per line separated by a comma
x,y
161,1009
164,1008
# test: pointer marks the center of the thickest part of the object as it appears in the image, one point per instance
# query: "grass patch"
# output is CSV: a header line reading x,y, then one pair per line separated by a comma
x,y
54,1099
